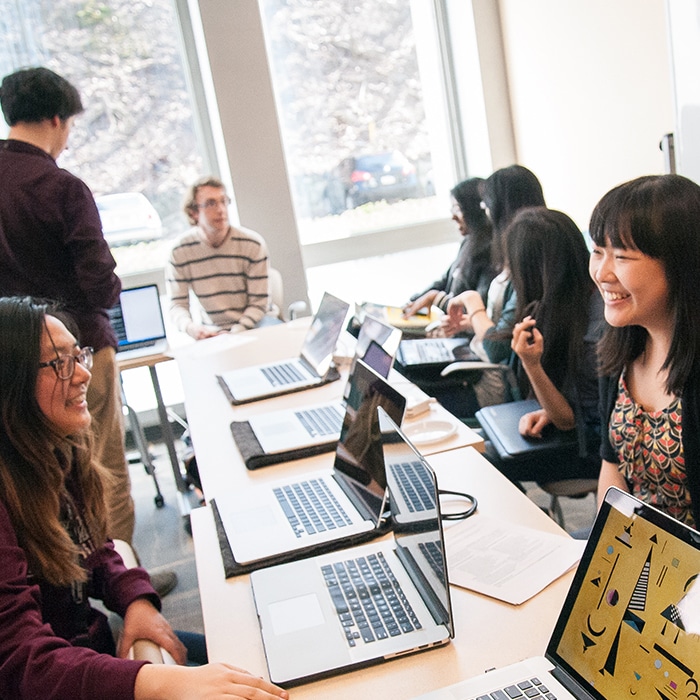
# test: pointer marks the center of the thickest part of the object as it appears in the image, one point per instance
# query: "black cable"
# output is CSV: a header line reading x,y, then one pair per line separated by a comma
x,y
460,515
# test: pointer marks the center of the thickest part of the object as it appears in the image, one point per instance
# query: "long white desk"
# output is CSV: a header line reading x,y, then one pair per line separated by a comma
x,y
209,413
488,632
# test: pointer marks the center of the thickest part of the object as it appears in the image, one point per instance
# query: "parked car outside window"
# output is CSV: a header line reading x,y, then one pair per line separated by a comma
x,y
128,217
372,178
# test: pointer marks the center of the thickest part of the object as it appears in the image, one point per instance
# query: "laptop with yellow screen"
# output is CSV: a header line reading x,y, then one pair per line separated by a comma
x,y
630,624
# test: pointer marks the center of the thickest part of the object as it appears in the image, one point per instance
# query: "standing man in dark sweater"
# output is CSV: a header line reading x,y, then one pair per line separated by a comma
x,y
51,245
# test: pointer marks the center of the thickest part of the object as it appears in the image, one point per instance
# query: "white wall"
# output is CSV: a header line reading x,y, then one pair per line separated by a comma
x,y
590,91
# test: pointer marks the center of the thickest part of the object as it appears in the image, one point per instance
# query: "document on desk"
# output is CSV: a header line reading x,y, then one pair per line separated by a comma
x,y
507,561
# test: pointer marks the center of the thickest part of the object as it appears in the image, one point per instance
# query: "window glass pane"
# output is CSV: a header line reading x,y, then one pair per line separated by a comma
x,y
360,145
137,136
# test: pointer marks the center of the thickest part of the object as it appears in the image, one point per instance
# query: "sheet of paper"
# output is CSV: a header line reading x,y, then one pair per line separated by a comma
x,y
506,561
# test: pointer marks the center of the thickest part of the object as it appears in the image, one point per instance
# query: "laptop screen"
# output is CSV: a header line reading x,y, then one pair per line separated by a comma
x,y
382,334
631,621
138,317
415,513
358,455
323,333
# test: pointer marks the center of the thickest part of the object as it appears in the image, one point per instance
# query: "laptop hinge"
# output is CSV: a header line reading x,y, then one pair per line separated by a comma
x,y
359,499
576,689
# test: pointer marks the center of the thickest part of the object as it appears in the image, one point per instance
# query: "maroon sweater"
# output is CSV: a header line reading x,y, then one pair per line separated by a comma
x,y
48,639
51,242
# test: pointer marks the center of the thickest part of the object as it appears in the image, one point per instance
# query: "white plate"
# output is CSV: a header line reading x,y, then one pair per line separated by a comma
x,y
426,432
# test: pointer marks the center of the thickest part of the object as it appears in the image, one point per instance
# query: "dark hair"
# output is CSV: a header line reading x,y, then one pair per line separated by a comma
x,y
659,215
35,460
505,192
35,94
190,205
467,194
548,261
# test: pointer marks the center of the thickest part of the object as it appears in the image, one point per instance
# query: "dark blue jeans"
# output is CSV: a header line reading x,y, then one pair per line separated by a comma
x,y
196,647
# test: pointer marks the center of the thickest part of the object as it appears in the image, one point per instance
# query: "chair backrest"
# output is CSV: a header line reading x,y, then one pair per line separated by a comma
x,y
276,288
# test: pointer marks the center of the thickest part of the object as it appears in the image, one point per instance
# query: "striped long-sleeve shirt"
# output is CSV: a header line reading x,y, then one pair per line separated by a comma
x,y
230,282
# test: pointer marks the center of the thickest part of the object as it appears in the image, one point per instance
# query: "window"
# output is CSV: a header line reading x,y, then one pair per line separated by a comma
x,y
359,98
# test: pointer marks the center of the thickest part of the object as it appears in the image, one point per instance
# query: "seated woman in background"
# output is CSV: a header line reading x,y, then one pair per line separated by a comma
x,y
472,267
54,554
504,194
646,264
554,344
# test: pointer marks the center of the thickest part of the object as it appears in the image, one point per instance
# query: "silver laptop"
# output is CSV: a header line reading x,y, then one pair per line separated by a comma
x,y
344,610
630,624
294,429
137,320
310,369
266,521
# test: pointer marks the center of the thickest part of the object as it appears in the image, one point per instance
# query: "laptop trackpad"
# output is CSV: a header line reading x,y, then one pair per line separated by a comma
x,y
295,614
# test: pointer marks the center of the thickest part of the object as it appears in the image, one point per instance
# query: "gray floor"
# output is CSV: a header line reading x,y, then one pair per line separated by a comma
x,y
163,543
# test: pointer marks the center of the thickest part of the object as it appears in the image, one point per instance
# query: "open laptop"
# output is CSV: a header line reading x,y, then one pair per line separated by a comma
x,y
343,610
137,320
630,624
265,523
416,353
311,368
294,429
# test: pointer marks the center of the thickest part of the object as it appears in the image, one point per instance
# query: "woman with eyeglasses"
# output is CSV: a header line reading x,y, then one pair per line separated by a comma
x,y
54,553
472,268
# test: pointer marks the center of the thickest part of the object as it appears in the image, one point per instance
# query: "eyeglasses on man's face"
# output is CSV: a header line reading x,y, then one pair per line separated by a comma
x,y
213,203
64,365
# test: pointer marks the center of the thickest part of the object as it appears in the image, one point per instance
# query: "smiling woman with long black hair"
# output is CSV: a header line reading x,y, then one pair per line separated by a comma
x,y
54,553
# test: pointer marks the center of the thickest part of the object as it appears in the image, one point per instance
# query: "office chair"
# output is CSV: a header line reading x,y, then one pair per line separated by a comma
x,y
276,285
142,649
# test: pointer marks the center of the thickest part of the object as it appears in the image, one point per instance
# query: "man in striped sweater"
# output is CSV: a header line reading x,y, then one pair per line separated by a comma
x,y
224,266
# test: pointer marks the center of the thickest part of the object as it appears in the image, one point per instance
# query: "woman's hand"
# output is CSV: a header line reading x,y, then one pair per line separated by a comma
x,y
212,681
143,621
532,424
527,342
424,301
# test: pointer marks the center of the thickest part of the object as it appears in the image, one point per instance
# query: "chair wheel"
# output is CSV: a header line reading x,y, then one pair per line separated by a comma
x,y
159,501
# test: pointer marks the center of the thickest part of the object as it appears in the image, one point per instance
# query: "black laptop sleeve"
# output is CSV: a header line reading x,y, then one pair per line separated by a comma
x,y
233,568
255,456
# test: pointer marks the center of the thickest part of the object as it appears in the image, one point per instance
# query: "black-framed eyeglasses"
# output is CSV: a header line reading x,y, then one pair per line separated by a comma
x,y
213,203
64,365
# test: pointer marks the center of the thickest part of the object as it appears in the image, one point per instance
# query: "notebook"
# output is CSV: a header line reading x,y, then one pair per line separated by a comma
x,y
311,368
500,425
294,429
344,610
267,522
137,321
630,622
416,353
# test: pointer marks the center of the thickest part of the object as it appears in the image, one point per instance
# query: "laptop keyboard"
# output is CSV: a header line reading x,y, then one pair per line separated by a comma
x,y
286,373
415,486
368,599
138,345
326,420
432,551
433,350
310,507
532,688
